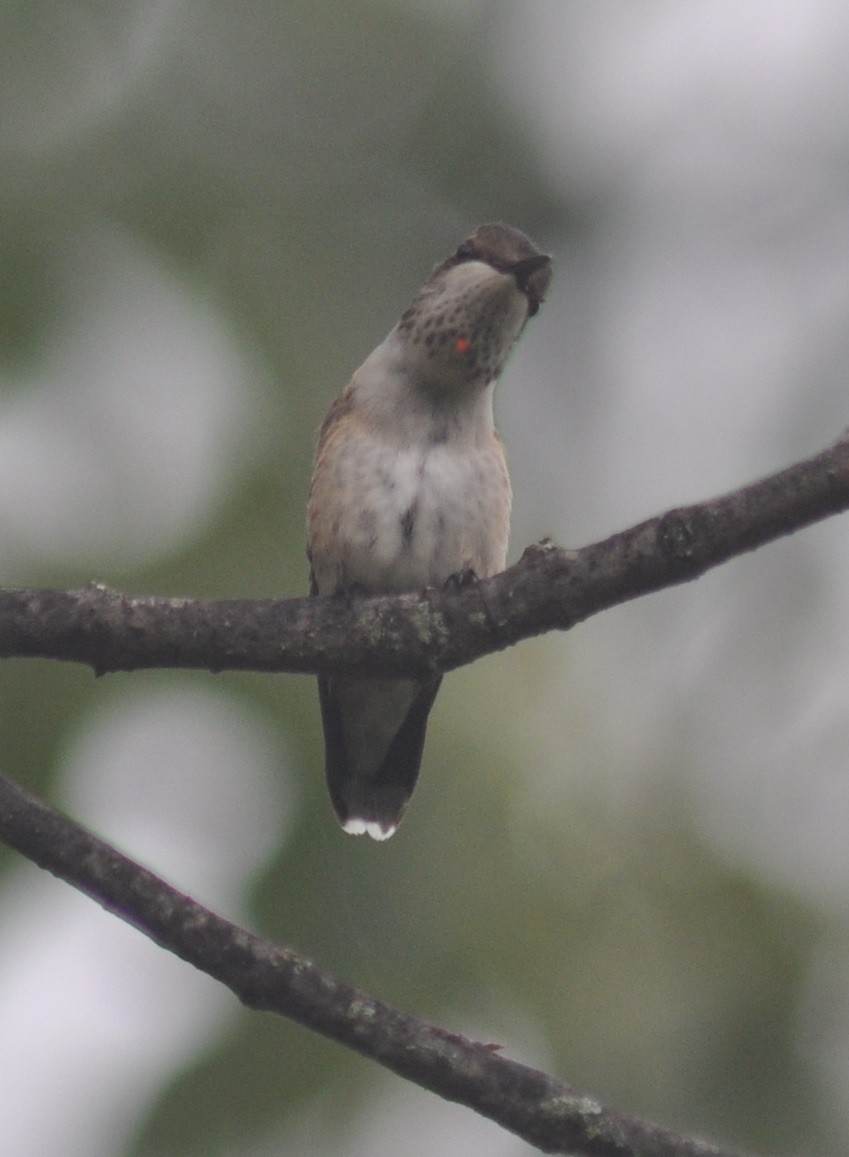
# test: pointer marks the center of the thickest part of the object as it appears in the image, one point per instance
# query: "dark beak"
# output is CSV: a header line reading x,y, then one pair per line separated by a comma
x,y
533,276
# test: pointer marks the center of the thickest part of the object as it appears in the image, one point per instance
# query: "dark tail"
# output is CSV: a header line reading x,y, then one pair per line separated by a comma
x,y
373,803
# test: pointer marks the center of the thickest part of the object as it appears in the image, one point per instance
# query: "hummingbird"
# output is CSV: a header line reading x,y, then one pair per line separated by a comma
x,y
410,490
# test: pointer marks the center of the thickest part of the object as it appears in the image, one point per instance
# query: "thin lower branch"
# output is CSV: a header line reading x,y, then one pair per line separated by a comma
x,y
432,631
546,1112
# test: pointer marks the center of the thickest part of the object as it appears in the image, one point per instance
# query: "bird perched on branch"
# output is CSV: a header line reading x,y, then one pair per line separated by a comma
x,y
409,488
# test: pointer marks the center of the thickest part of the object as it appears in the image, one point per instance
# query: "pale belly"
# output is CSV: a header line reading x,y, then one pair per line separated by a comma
x,y
411,519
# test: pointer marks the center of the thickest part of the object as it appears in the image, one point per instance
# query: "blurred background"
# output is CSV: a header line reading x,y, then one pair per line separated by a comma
x,y
628,857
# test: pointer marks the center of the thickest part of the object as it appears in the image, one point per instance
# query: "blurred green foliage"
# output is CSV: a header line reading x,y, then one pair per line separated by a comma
x,y
302,167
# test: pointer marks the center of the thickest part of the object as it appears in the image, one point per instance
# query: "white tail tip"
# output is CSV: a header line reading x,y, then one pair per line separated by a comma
x,y
358,827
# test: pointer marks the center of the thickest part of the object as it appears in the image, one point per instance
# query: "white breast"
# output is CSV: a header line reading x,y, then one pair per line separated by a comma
x,y
425,514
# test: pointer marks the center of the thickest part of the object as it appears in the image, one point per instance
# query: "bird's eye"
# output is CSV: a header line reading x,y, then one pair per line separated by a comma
x,y
466,252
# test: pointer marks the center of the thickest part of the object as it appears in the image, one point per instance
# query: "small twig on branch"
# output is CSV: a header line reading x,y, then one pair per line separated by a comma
x,y
432,631
546,1112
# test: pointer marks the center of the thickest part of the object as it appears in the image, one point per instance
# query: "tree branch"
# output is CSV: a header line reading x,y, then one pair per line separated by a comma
x,y
411,634
432,631
546,1112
